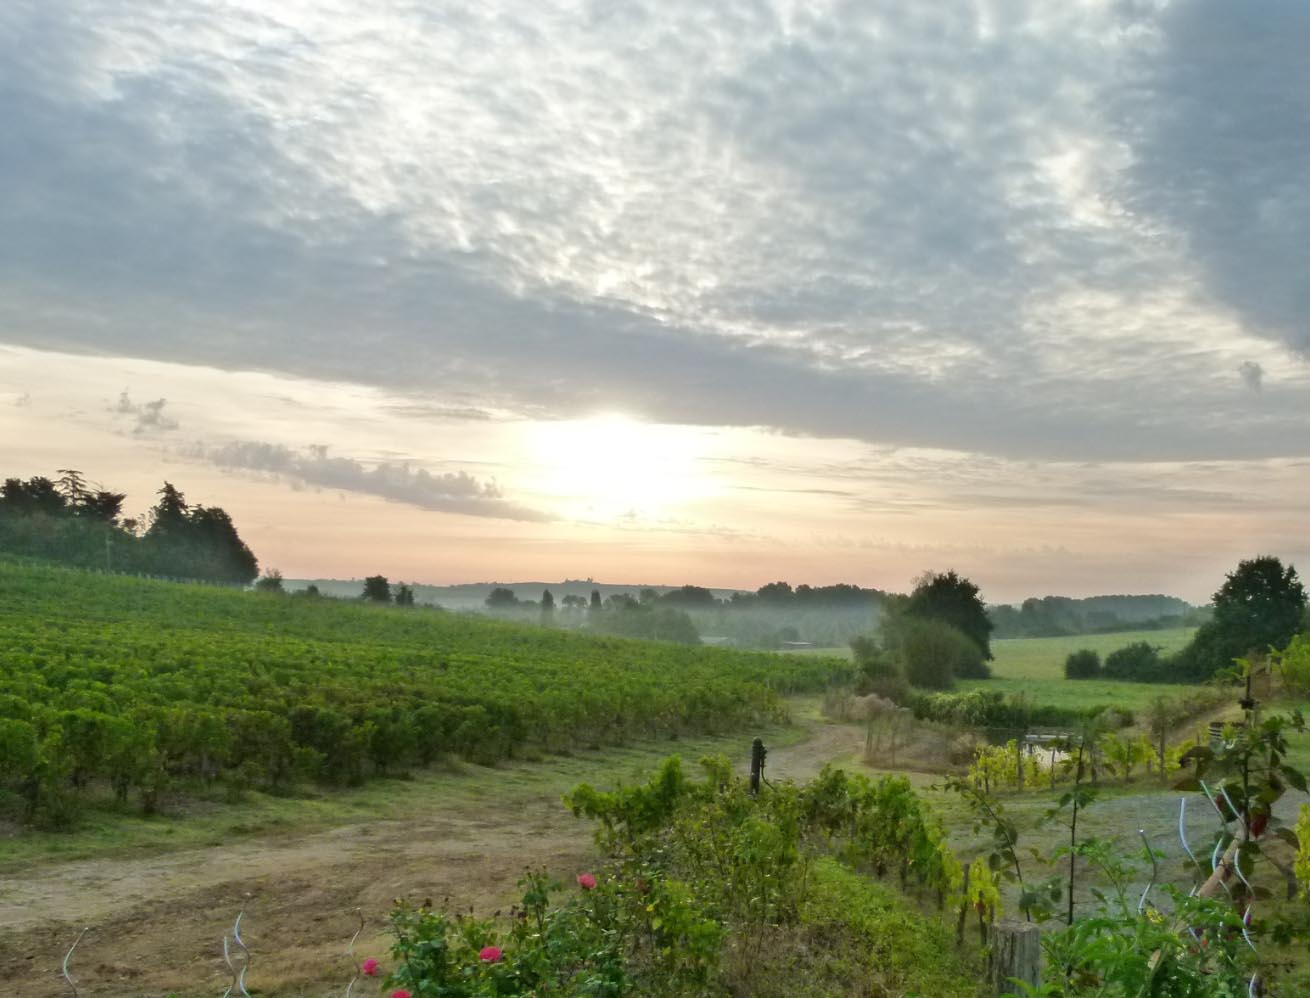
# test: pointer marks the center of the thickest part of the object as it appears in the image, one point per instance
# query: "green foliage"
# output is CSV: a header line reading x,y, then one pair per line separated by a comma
x,y
1260,606
135,687
1128,954
571,950
1082,664
953,600
711,891
933,654
1138,662
1292,665
993,709
69,522
376,589
1302,867
860,939
878,671
1061,616
651,623
270,583
744,860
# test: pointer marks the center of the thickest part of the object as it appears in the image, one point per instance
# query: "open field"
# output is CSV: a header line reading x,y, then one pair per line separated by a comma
x,y
1035,667
1043,658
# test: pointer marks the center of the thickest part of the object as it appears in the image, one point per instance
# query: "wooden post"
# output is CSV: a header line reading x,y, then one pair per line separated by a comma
x,y
1016,953
757,765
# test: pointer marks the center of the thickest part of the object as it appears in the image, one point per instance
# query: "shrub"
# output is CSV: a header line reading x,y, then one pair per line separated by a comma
x,y
1082,664
878,672
934,654
1293,665
1139,662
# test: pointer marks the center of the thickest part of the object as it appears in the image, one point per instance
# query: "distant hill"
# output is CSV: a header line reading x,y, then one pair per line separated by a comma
x,y
1057,616
473,595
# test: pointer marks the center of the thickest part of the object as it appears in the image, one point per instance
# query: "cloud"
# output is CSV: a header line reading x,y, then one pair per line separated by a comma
x,y
397,481
1222,149
949,225
150,416
1252,375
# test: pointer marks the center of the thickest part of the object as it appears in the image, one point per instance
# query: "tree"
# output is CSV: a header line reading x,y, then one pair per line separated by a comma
x,y
1082,664
954,600
547,606
1139,662
933,653
1260,606
270,583
690,598
501,598
169,516
404,595
376,589
595,600
775,593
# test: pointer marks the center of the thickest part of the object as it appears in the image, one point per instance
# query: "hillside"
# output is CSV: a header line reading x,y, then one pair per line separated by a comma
x,y
473,595
136,685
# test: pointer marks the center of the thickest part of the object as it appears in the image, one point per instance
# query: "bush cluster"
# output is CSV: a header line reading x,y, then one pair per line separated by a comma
x,y
709,890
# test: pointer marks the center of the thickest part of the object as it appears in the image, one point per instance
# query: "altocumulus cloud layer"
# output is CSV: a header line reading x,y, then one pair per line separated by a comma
x,y
1035,230
450,492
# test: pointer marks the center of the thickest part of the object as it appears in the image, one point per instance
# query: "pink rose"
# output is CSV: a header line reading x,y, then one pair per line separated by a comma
x,y
401,993
586,881
490,954
369,968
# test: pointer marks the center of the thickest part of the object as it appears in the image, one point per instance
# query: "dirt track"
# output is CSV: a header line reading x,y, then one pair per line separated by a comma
x,y
157,922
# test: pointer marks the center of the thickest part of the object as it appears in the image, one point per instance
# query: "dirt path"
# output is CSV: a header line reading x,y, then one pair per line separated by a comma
x,y
157,921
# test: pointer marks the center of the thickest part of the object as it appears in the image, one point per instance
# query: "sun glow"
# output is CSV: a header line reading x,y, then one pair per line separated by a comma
x,y
611,467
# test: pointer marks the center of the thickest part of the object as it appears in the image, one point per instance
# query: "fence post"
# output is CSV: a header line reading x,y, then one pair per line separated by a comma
x,y
1016,953
757,765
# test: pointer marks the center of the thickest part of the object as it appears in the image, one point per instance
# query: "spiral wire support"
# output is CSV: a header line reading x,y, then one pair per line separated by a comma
x,y
1155,871
350,951
1182,837
245,966
227,959
68,956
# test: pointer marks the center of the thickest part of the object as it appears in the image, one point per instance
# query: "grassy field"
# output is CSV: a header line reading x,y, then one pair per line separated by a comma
x,y
1043,658
1035,666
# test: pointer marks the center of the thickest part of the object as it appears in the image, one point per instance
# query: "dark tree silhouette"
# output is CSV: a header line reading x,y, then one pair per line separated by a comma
x,y
501,598
952,599
1261,605
376,589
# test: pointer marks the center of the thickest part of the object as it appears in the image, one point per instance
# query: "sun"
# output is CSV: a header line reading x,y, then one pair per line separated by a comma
x,y
611,467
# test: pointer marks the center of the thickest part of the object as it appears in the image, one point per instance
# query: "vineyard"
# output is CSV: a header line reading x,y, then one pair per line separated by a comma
x,y
131,688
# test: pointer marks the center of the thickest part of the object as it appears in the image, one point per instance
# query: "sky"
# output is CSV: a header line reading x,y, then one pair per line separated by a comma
x,y
665,291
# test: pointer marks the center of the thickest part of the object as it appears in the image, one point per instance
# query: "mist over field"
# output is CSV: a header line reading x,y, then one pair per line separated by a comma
x,y
657,499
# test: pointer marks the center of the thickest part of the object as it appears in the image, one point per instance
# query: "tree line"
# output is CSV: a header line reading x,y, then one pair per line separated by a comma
x,y
1062,616
1260,608
74,522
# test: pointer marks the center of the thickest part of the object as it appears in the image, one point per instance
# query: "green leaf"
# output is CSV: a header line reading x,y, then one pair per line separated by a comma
x,y
1288,835
1294,776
